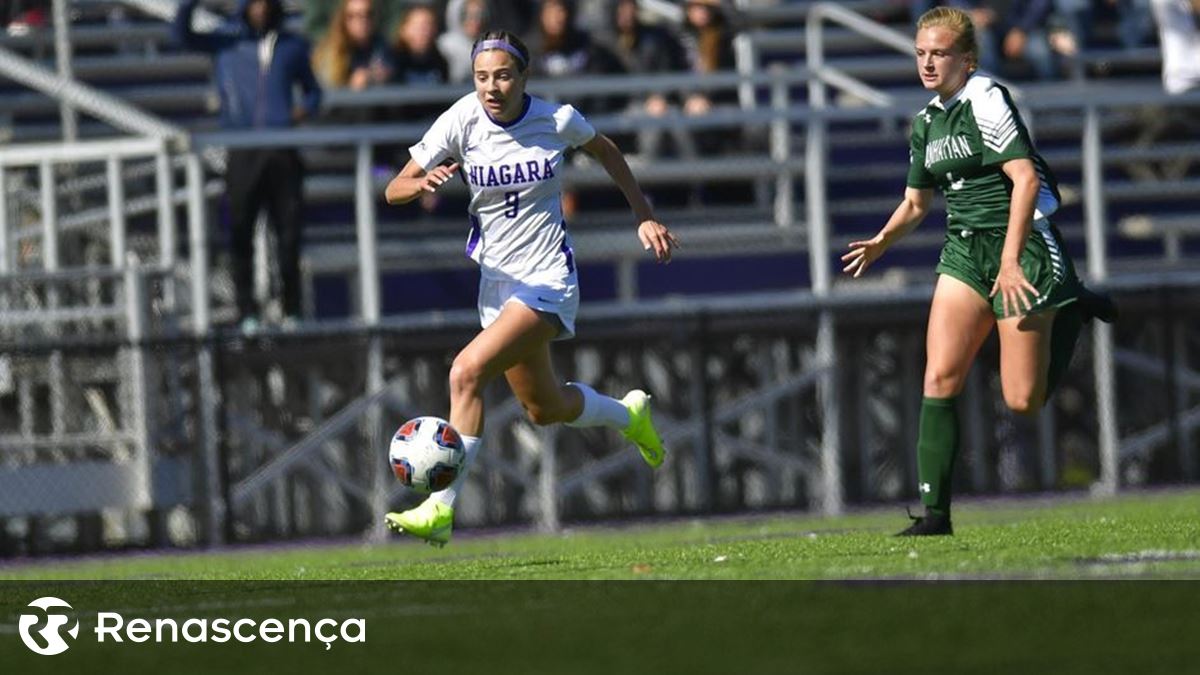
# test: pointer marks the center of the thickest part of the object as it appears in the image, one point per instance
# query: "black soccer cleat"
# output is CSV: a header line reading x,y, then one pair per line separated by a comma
x,y
1097,305
929,525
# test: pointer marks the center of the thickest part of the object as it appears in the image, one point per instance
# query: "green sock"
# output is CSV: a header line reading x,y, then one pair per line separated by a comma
x,y
937,447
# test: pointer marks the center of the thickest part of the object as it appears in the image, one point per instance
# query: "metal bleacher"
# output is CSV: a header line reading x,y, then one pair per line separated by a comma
x,y
116,242
125,49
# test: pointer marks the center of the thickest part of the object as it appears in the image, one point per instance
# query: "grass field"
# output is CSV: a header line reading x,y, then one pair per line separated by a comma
x,y
1155,535
879,616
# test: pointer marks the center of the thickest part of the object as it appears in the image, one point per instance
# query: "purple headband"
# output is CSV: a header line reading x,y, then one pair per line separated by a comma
x,y
498,44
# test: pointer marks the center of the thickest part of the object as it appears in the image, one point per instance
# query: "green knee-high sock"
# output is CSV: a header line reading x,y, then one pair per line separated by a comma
x,y
1064,335
937,447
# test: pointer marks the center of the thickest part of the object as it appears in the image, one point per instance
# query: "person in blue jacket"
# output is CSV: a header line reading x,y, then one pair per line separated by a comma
x,y
257,67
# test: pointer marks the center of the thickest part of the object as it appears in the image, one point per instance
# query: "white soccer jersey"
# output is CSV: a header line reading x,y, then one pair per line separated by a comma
x,y
514,171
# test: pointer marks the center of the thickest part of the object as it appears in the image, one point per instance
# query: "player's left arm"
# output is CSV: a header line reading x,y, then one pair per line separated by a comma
x,y
1016,291
653,234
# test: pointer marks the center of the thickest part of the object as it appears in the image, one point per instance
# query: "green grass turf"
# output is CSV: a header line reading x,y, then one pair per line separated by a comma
x,y
1155,535
519,623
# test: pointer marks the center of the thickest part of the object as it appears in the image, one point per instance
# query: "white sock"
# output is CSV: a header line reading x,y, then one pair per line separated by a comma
x,y
600,410
471,444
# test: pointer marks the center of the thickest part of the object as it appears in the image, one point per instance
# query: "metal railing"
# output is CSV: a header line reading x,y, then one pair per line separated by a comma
x,y
86,99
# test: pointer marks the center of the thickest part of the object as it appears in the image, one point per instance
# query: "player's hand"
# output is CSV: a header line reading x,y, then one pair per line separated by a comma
x,y
655,236
1018,295
433,180
862,254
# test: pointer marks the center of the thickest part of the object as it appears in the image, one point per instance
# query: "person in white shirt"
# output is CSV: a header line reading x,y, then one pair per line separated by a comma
x,y
509,148
1179,36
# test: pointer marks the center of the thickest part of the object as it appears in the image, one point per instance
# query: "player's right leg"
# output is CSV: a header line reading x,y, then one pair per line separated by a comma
x,y
516,332
959,321
547,401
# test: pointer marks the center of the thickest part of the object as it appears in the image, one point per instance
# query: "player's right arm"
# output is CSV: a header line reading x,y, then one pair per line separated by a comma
x,y
911,211
918,195
413,181
426,170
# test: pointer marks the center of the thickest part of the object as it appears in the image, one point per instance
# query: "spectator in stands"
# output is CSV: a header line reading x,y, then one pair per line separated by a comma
x,y
1132,20
23,16
465,22
708,47
644,49
257,67
560,49
317,16
513,15
1135,22
418,63
352,54
1179,36
414,50
1008,32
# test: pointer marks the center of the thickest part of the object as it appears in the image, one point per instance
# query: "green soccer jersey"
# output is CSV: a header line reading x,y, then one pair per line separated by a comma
x,y
958,146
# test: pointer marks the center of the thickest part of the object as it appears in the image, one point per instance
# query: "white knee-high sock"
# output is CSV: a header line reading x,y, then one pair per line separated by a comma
x,y
471,445
600,410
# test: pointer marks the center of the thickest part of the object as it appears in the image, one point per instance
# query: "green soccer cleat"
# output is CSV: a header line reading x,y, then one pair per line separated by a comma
x,y
431,521
641,431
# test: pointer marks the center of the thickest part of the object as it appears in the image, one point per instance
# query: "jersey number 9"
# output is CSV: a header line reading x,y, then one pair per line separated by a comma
x,y
512,202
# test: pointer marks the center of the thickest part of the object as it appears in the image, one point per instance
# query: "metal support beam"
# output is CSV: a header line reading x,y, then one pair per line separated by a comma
x,y
198,244
116,212
49,217
7,264
63,58
815,184
164,184
369,312
210,393
781,154
701,395
142,404
1102,337
548,520
368,254
827,393
373,426
214,489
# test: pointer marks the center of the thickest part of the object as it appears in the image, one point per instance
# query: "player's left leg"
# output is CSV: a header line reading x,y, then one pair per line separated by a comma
x,y
517,332
1025,355
546,401
1036,349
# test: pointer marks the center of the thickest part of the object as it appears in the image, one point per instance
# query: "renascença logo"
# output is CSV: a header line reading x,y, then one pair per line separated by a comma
x,y
112,626
51,633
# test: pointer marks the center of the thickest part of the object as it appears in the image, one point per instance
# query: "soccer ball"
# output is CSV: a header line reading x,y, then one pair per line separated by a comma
x,y
426,454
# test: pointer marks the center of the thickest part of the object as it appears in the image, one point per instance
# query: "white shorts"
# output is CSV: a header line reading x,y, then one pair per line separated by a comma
x,y
559,298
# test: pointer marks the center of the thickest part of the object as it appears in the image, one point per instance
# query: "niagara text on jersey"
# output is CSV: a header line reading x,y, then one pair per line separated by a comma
x,y
959,146
513,170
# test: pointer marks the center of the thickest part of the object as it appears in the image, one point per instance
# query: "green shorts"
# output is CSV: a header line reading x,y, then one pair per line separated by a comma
x,y
973,257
